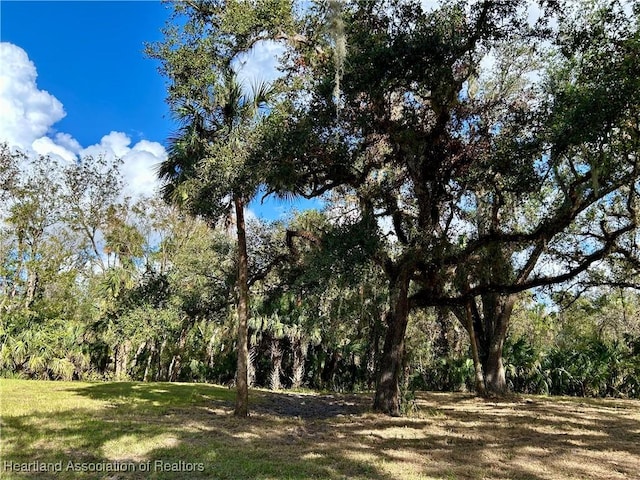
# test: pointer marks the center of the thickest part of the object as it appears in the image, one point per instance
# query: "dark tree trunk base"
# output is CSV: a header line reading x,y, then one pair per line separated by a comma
x,y
387,396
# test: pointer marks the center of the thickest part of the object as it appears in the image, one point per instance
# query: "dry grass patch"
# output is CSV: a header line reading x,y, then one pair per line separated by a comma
x,y
296,436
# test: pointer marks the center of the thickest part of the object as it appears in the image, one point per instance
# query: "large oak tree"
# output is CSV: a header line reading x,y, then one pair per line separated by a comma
x,y
486,183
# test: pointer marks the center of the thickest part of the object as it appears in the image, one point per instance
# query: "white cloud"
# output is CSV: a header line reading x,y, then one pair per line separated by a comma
x,y
260,64
46,146
138,162
67,141
28,114
139,169
115,144
154,148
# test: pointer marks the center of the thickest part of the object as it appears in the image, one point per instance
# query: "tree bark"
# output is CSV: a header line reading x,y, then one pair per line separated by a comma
x,y
136,357
32,289
176,362
147,369
495,380
329,371
299,347
387,396
210,352
121,360
497,313
276,365
159,372
477,364
373,353
242,388
251,367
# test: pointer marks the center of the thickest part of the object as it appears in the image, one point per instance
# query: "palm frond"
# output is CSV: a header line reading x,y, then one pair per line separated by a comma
x,y
261,93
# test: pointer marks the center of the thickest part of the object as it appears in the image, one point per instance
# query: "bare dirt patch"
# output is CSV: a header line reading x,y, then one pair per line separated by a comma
x,y
310,405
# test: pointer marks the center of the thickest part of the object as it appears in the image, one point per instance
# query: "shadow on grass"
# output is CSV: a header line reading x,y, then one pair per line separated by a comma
x,y
185,425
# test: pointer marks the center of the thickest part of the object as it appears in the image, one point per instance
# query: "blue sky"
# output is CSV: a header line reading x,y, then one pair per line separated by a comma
x,y
89,55
79,84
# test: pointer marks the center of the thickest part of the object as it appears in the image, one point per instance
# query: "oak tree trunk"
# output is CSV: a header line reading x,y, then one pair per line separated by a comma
x,y
491,330
387,396
121,360
495,380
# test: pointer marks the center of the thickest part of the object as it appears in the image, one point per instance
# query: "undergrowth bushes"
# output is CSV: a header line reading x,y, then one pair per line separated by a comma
x,y
589,368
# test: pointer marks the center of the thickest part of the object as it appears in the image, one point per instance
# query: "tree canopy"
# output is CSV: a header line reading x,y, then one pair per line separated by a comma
x,y
470,157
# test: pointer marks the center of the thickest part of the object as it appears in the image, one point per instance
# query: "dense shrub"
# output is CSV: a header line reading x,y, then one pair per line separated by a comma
x,y
591,367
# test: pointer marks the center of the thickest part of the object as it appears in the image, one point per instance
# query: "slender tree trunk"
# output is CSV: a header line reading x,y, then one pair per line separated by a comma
x,y
276,365
160,369
210,357
299,356
387,396
477,364
176,361
116,362
251,367
319,356
242,388
172,365
329,371
136,357
147,369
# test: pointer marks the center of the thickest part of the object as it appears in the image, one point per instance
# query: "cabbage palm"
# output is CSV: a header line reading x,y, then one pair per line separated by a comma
x,y
207,173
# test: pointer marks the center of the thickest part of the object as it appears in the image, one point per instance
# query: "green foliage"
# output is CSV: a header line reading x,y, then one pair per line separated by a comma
x,y
445,374
40,347
588,349
592,368
524,368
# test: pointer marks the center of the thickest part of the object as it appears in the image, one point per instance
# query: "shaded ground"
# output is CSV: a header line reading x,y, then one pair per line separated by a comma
x,y
300,436
310,406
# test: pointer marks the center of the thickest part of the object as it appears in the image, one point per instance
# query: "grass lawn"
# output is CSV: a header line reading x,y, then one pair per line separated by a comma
x,y
67,430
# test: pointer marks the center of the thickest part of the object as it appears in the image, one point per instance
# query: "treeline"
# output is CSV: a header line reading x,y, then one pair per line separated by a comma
x,y
97,286
588,348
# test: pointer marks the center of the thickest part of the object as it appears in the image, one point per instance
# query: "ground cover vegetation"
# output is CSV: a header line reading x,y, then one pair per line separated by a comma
x,y
479,171
297,436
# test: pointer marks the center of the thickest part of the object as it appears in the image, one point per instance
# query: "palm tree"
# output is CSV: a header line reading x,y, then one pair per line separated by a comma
x,y
206,173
